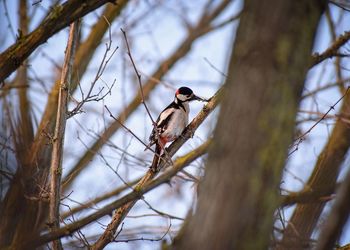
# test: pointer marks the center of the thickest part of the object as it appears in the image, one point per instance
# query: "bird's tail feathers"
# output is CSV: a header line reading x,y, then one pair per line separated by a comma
x,y
155,162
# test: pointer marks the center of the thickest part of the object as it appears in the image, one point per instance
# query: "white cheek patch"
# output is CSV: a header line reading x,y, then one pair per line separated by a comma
x,y
182,97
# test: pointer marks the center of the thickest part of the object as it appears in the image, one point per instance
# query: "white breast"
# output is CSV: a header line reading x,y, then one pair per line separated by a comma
x,y
177,124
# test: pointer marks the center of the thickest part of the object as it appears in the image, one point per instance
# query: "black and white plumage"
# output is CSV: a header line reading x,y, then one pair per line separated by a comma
x,y
170,123
172,120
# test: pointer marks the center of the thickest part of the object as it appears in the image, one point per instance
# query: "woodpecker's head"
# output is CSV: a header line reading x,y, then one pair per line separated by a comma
x,y
185,94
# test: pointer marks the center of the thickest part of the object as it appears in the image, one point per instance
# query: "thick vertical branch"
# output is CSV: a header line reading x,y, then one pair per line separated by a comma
x,y
337,217
239,192
25,123
57,151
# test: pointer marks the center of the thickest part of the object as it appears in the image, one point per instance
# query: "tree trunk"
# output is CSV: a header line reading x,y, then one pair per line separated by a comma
x,y
239,193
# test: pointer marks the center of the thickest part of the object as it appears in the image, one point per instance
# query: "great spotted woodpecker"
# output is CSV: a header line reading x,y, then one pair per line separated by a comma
x,y
171,121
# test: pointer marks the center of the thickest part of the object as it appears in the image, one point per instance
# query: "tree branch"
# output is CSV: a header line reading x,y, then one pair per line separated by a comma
x,y
25,125
330,51
307,196
89,204
179,164
83,56
120,214
57,150
198,31
337,218
59,17
324,176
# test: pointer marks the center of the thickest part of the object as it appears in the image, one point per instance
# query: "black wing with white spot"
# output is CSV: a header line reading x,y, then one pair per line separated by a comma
x,y
163,121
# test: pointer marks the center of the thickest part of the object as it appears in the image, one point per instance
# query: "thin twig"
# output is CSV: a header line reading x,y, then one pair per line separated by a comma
x,y
325,87
143,99
144,102
127,129
10,26
95,201
138,77
215,68
147,239
104,62
301,138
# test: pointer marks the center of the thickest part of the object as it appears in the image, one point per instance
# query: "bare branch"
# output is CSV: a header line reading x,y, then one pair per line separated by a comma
x,y
60,17
198,31
337,217
138,77
25,124
103,197
301,138
120,214
332,50
57,150
324,175
104,62
83,57
341,82
307,196
156,156
9,23
179,164
127,129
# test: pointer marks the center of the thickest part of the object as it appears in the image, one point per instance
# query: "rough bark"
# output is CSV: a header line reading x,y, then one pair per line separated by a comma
x,y
239,192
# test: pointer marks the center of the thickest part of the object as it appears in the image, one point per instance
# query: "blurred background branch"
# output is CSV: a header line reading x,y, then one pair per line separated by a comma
x,y
174,44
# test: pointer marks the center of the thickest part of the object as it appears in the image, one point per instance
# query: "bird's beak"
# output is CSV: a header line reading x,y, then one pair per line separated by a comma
x,y
197,98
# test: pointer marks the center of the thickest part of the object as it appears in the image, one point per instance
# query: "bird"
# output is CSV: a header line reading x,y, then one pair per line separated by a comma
x,y
171,122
